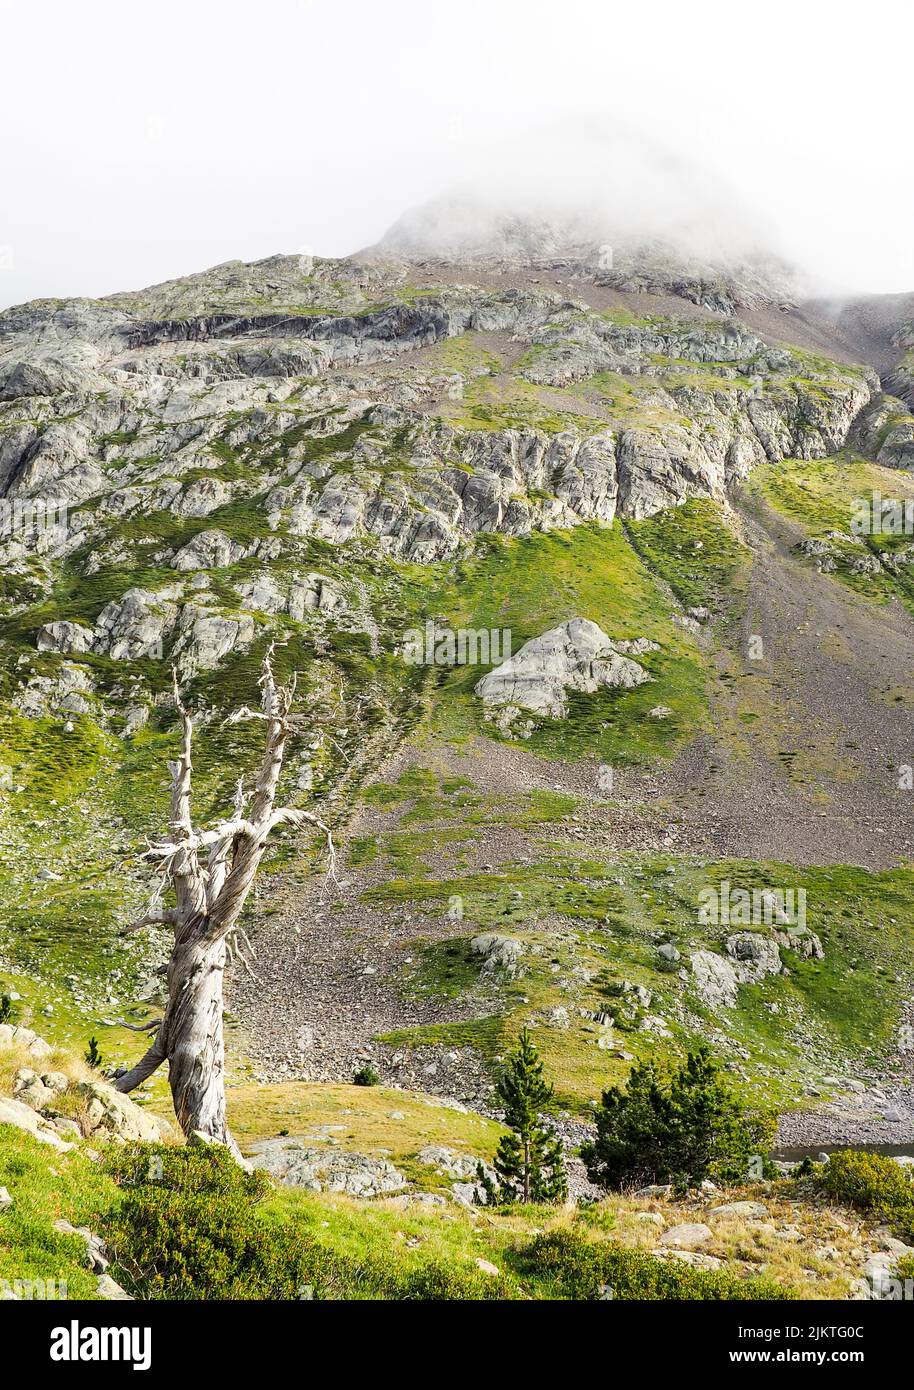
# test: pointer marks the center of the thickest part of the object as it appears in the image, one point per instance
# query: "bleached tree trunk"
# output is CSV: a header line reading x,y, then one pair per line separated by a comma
x,y
209,898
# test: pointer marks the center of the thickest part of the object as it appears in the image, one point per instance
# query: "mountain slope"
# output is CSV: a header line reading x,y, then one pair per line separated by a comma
x,y
332,454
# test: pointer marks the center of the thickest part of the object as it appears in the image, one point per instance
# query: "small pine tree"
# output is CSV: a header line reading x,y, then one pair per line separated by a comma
x,y
7,1009
529,1165
92,1054
681,1128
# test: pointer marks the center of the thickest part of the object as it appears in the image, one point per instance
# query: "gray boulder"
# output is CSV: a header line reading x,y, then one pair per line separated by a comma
x,y
109,1112
21,1116
578,655
687,1236
68,638
756,955
500,954
318,1170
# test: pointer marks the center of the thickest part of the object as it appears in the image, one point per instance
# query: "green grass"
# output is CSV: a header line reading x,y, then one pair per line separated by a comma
x,y
46,1186
342,1248
821,496
592,572
588,924
694,551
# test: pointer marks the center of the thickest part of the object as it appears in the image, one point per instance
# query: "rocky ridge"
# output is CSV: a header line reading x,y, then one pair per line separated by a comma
x,y
234,422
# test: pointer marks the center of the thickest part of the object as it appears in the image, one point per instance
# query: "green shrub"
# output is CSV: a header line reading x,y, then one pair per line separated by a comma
x,y
578,1268
92,1054
682,1129
366,1076
8,1010
873,1182
187,1228
190,1225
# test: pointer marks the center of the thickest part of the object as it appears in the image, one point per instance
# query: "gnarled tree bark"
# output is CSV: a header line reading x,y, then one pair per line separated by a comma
x,y
212,873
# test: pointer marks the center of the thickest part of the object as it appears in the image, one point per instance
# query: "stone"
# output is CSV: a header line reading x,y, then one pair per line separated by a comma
x,y
756,954
500,954
879,1264
801,940
419,1199
14,1112
750,958
448,1163
67,1128
110,1111
5,1198
697,1259
486,1266
96,1251
11,1036
746,1210
576,656
110,1290
135,626
715,979
64,637
31,1090
317,1170
687,1236
897,1247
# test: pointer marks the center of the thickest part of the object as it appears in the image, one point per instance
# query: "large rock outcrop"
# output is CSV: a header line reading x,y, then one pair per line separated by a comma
x,y
293,1162
577,656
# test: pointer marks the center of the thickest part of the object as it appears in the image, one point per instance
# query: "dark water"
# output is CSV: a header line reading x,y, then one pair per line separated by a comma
x,y
793,1155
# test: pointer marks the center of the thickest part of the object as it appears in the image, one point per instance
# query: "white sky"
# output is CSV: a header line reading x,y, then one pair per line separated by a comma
x,y
144,142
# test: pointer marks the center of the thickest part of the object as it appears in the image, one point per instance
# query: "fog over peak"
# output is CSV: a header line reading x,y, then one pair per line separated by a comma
x,y
662,126
584,182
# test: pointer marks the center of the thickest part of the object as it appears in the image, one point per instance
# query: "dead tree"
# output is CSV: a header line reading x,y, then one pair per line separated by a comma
x,y
211,873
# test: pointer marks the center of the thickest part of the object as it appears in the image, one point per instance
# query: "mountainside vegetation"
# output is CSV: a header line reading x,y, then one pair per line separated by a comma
x,y
657,822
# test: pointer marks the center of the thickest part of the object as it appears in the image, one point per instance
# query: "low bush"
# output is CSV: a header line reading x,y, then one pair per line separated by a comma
x,y
873,1182
190,1225
578,1268
366,1076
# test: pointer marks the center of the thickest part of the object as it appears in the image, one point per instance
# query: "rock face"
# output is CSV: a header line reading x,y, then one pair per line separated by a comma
x,y
575,656
756,955
751,956
108,1112
499,954
292,1162
885,431
202,438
